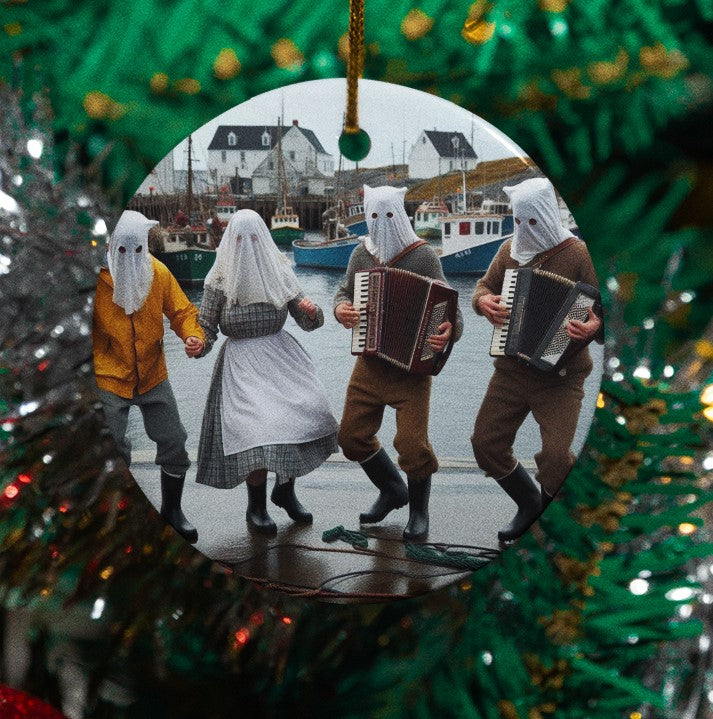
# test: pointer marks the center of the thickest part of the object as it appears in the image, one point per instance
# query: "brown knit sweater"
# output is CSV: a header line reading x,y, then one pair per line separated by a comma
x,y
572,262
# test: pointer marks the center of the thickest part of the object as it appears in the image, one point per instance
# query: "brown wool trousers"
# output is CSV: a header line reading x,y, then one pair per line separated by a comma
x,y
555,403
375,385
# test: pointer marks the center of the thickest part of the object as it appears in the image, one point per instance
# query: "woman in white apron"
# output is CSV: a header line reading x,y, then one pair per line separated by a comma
x,y
266,410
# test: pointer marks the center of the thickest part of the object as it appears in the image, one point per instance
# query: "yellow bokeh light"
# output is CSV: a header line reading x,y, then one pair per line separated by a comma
x,y
286,54
226,65
707,395
478,31
600,401
106,572
686,528
416,24
158,82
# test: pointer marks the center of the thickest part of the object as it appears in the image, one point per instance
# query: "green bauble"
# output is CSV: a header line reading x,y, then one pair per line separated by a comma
x,y
354,146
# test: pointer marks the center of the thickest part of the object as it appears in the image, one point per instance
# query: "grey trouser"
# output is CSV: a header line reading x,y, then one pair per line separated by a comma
x,y
161,422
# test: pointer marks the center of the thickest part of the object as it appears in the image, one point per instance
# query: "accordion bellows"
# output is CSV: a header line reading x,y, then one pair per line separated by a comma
x,y
399,310
541,303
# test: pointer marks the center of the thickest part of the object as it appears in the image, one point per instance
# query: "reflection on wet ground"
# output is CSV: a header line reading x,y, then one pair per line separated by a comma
x,y
466,511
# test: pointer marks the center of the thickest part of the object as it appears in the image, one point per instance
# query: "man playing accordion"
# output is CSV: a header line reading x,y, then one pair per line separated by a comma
x,y
375,383
517,389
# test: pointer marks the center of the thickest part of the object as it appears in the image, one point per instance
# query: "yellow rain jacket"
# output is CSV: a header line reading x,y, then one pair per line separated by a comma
x,y
128,349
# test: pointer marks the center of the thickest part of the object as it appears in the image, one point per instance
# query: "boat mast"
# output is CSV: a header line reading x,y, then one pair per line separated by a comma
x,y
462,172
189,187
281,177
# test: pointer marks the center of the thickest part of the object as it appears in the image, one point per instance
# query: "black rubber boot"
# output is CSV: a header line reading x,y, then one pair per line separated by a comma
x,y
283,495
256,514
419,491
392,489
171,491
525,492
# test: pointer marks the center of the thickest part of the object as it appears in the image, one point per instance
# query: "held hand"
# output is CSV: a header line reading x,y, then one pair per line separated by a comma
x,y
308,307
346,315
584,331
438,342
193,346
493,309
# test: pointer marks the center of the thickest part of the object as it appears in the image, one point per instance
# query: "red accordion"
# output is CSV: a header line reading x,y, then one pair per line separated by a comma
x,y
399,310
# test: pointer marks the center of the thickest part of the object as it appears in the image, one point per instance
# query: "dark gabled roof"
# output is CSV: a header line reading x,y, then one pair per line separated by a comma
x,y
443,142
249,137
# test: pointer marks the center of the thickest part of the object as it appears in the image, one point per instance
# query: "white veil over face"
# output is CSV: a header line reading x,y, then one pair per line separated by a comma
x,y
129,260
248,267
390,231
538,224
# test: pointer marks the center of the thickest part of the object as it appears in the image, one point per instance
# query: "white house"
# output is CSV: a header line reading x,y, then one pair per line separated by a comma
x,y
236,152
305,180
436,152
161,180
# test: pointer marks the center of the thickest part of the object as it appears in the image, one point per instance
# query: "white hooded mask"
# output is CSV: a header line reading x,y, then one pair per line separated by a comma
x,y
248,267
536,214
390,231
129,260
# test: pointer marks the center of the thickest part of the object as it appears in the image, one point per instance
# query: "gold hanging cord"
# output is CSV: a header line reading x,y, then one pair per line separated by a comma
x,y
355,64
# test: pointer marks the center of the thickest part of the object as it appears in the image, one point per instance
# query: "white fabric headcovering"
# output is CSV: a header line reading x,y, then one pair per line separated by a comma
x,y
248,267
129,260
535,199
390,231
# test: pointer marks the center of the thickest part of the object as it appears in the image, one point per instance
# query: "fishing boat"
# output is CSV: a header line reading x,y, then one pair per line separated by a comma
x,y
285,226
427,218
325,254
354,219
225,207
333,251
186,246
285,222
471,239
188,252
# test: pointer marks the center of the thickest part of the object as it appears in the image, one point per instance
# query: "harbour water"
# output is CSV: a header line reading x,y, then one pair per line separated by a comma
x,y
457,390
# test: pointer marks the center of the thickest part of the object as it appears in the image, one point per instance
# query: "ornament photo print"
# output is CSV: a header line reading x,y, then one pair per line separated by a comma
x,y
360,380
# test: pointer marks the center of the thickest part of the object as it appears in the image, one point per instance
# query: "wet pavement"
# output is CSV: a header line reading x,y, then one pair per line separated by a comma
x,y
466,511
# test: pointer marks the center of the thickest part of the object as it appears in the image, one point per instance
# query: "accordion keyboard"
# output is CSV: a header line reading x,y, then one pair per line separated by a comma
x,y
361,299
500,333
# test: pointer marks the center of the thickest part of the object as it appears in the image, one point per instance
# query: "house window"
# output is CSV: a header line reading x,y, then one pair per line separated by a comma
x,y
266,139
270,165
223,155
242,157
464,228
292,154
423,139
232,139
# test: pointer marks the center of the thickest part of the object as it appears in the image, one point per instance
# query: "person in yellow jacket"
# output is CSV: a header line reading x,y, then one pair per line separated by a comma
x,y
134,292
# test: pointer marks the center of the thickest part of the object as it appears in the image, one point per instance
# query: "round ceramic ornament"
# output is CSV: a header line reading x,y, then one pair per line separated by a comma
x,y
296,480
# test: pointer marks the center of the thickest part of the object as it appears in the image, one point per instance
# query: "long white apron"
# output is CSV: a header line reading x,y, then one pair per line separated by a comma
x,y
271,394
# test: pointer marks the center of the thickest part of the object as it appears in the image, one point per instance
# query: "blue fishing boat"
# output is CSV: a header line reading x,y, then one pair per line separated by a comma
x,y
354,220
471,239
327,254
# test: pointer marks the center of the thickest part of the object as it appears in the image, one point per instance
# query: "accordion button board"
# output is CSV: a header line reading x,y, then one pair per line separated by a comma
x,y
398,311
541,304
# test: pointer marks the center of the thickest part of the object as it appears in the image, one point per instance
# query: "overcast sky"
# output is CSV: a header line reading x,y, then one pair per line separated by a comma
x,y
392,115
